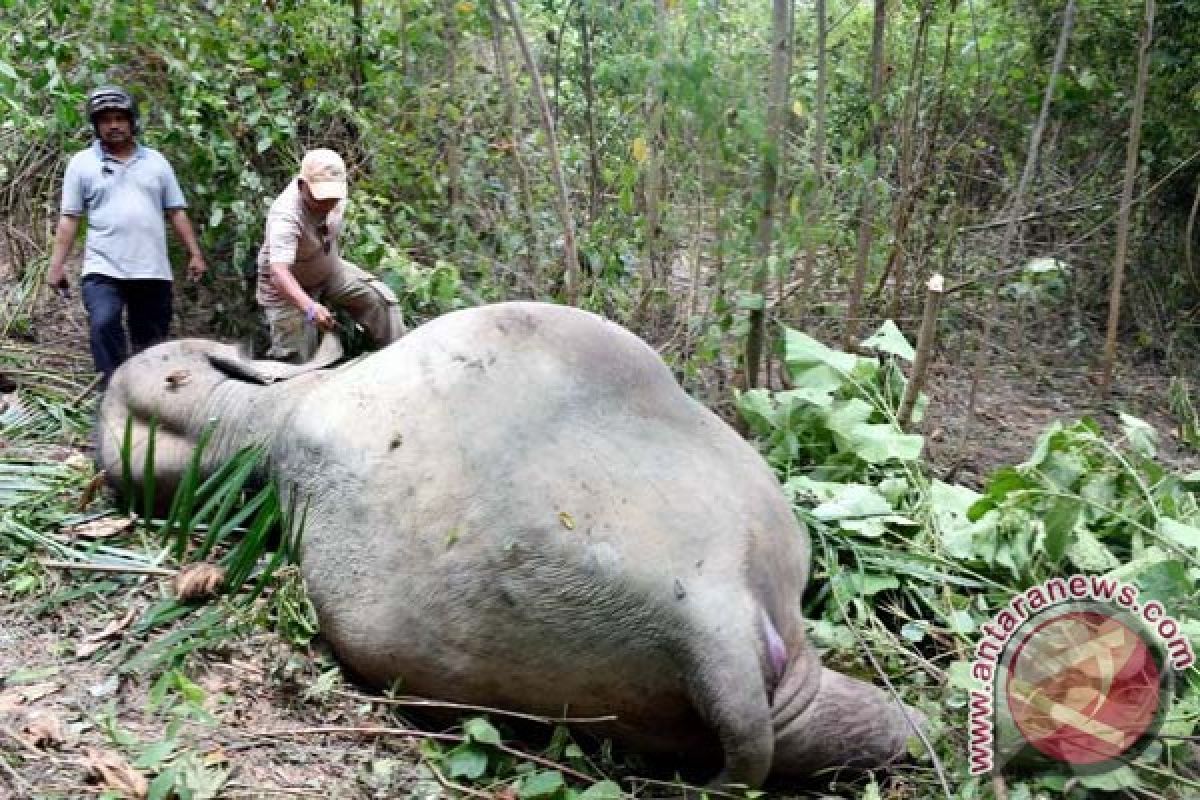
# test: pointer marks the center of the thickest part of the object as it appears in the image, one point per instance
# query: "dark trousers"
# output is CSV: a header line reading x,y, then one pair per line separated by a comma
x,y
148,304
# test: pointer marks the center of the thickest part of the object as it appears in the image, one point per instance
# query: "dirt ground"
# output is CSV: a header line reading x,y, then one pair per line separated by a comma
x,y
260,685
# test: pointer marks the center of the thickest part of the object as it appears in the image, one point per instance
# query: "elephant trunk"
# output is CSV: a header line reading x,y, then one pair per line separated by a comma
x,y
826,719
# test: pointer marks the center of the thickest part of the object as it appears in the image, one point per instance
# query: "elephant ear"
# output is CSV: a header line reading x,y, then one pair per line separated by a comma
x,y
229,360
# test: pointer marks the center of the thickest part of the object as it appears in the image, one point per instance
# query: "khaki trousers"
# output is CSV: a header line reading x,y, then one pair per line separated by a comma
x,y
364,297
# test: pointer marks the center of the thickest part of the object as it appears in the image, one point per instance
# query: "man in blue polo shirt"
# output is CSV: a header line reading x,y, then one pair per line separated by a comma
x,y
124,189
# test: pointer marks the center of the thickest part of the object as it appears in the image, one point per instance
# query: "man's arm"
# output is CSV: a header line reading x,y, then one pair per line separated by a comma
x,y
284,281
64,237
183,226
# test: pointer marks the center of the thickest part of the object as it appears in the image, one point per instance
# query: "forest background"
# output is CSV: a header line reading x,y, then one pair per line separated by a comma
x,y
712,174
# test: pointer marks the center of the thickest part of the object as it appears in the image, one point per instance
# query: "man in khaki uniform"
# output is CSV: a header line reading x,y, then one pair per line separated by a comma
x,y
300,273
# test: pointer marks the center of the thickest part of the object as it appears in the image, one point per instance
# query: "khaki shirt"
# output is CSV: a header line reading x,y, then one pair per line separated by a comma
x,y
294,236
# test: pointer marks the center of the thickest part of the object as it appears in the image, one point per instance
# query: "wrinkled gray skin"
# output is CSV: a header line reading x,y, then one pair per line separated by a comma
x,y
517,506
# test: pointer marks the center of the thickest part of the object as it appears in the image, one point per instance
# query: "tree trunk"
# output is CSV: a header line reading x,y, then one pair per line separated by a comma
x,y
925,343
589,97
866,219
777,101
812,212
517,134
450,125
360,78
1131,168
653,178
1013,214
571,257
910,170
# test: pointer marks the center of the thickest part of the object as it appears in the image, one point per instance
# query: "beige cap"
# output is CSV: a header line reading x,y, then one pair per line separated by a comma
x,y
325,173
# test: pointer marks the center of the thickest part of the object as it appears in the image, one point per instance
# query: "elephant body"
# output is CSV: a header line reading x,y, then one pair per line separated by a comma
x,y
517,506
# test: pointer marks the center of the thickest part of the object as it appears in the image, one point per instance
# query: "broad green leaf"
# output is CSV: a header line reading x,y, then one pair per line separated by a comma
x,y
1177,532
541,784
1063,468
1140,434
804,489
480,730
1060,524
163,785
758,409
871,528
466,761
155,754
802,352
1089,554
819,396
750,301
854,501
1158,576
1042,448
965,543
875,443
604,790
864,584
1113,780
950,504
889,339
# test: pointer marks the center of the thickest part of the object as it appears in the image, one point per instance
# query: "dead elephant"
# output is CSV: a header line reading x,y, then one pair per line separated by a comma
x,y
517,506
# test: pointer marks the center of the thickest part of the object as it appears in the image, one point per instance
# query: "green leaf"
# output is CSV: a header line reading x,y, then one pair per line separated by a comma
x,y
802,352
1042,448
541,784
1088,554
1140,434
853,501
155,754
1179,533
1060,524
480,730
1157,576
1112,781
163,785
863,584
748,301
604,790
467,761
7,71
875,443
889,339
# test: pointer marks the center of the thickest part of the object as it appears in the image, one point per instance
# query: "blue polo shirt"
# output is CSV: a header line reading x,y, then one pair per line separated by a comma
x,y
124,202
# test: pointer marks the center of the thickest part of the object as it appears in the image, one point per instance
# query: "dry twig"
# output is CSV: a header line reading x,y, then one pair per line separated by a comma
x,y
416,734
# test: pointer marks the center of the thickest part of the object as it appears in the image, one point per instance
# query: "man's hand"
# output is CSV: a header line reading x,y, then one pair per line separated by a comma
x,y
56,276
196,267
319,315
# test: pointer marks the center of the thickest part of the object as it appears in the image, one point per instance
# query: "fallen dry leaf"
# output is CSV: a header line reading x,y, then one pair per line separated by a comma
x,y
567,520
78,461
198,581
42,728
18,696
113,772
102,528
94,641
89,491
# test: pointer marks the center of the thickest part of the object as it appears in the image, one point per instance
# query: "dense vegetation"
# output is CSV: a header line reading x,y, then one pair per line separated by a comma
x,y
727,173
